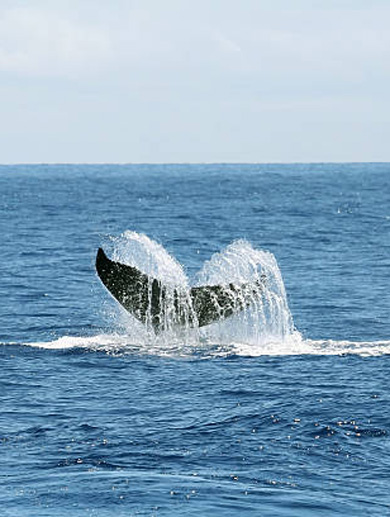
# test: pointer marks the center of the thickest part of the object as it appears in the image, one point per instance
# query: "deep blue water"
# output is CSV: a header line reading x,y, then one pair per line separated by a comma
x,y
91,426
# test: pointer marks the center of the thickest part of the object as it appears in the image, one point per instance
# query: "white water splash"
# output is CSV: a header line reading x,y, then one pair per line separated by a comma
x,y
151,258
121,344
137,250
267,318
264,328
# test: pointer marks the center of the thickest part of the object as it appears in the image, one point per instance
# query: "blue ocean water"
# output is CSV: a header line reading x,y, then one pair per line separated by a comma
x,y
99,419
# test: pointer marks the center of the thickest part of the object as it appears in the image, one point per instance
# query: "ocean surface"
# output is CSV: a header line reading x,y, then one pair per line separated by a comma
x,y
281,410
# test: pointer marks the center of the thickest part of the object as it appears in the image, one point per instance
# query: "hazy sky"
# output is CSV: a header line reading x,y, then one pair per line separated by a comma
x,y
194,80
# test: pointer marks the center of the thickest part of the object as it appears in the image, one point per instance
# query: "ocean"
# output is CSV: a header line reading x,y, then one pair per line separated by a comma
x,y
280,410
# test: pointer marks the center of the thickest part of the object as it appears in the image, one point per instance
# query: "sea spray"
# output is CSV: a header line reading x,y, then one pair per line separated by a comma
x,y
138,250
253,283
268,318
176,318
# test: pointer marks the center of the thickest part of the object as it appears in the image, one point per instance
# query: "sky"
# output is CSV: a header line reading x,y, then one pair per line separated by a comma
x,y
180,81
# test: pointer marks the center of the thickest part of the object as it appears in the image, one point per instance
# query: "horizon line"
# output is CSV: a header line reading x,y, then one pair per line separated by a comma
x,y
200,163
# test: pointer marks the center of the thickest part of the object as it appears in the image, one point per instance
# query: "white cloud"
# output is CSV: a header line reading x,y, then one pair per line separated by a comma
x,y
226,44
34,41
185,40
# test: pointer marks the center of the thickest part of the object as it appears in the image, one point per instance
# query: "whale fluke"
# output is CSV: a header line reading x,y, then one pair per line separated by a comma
x,y
148,299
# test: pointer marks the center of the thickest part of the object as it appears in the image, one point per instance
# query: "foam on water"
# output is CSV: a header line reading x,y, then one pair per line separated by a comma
x,y
264,327
121,344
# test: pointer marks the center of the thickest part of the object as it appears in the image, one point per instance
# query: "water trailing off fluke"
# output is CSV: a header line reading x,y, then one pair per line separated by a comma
x,y
164,306
237,296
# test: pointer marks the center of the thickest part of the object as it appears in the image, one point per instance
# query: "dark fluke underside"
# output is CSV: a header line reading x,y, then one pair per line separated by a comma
x,y
151,301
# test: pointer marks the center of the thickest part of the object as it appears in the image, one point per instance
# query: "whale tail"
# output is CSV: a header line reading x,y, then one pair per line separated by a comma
x,y
148,299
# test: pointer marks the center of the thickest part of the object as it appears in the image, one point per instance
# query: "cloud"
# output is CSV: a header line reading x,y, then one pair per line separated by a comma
x,y
190,41
226,44
44,42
